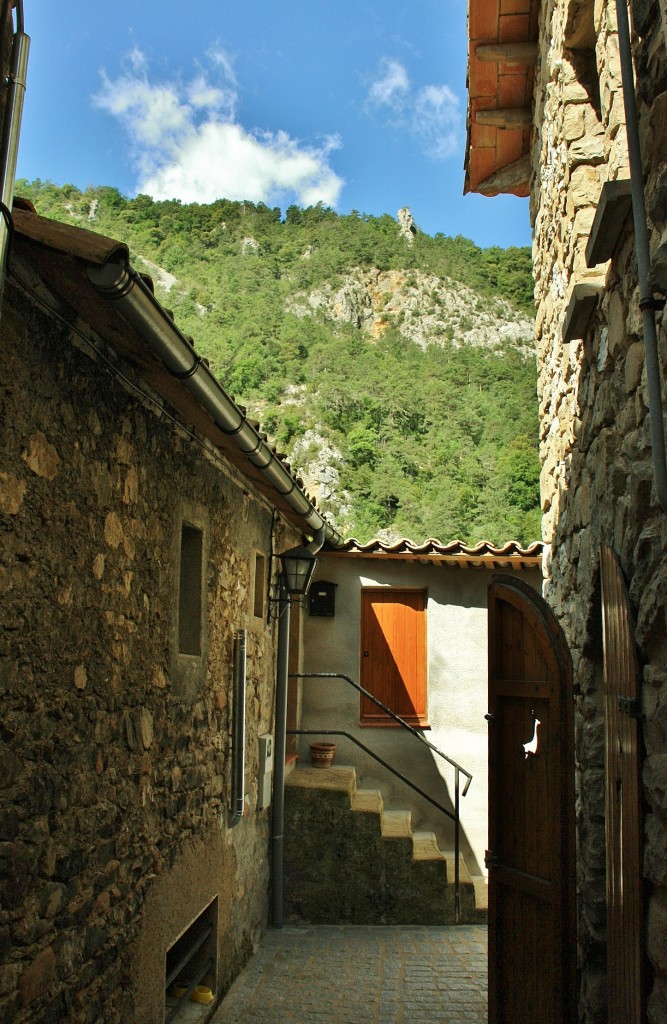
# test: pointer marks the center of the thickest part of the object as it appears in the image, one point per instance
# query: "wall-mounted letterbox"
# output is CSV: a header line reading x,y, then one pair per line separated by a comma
x,y
322,598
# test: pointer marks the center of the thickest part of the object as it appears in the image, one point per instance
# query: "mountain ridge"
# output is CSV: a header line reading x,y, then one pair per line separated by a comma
x,y
396,370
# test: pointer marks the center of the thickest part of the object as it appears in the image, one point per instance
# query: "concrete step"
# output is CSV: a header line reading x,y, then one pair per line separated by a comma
x,y
350,860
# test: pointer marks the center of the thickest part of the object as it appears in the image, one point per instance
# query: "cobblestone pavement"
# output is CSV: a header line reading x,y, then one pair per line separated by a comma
x,y
363,975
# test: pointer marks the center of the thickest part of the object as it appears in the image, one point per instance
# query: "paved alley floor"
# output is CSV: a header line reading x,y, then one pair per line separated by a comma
x,y
363,975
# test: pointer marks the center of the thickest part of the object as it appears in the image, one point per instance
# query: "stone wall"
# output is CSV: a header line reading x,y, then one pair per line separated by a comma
x,y
596,460
114,755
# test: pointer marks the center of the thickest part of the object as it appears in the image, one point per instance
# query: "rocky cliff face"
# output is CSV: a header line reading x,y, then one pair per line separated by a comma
x,y
426,309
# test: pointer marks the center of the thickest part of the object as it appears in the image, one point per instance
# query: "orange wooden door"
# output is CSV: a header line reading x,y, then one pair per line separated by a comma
x,y
393,654
623,819
531,812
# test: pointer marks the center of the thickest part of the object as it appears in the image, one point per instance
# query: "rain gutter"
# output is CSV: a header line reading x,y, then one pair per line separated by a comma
x,y
11,130
120,283
647,303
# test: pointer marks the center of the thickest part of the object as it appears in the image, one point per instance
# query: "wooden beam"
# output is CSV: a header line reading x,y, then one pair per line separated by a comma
x,y
512,179
507,53
514,118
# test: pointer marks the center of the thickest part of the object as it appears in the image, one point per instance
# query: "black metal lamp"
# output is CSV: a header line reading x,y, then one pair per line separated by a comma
x,y
297,569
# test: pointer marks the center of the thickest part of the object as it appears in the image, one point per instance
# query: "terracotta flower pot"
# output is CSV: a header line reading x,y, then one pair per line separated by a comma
x,y
322,754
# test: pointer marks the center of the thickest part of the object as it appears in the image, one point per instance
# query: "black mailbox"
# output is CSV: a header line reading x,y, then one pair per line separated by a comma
x,y
322,598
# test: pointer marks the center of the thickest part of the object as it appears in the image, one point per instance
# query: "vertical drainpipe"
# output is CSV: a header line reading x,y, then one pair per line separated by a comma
x,y
278,813
11,129
647,303
280,743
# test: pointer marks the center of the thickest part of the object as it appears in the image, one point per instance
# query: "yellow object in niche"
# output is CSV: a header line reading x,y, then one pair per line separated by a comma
x,y
201,994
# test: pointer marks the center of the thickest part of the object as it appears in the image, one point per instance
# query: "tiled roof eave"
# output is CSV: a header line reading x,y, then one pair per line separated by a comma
x,y
511,555
501,56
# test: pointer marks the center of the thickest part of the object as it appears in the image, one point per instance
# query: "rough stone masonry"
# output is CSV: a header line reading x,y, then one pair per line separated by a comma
x,y
114,750
596,460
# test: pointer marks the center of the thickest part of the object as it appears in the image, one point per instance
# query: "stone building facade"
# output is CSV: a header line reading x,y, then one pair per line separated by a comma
x,y
134,551
598,479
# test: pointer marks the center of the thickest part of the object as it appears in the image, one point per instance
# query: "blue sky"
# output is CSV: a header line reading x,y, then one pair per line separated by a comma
x,y
359,104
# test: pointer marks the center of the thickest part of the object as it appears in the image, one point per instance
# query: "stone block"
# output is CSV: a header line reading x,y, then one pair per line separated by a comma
x,y
38,978
586,150
655,851
634,366
656,943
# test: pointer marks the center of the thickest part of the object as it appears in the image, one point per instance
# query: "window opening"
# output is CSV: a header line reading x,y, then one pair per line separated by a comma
x,y
580,38
190,591
190,968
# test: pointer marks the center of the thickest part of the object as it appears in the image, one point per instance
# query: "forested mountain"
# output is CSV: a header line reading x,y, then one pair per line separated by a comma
x,y
395,369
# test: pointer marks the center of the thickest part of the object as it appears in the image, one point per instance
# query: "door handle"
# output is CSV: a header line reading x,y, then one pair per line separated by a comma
x,y
365,654
490,717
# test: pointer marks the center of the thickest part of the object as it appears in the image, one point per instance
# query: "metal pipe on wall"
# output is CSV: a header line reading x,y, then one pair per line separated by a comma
x,y
647,303
278,810
238,727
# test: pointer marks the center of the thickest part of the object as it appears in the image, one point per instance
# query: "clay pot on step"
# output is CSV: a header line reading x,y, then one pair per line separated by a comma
x,y
322,754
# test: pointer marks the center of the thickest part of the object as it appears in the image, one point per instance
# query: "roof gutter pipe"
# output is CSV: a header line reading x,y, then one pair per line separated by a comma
x,y
647,303
122,284
11,130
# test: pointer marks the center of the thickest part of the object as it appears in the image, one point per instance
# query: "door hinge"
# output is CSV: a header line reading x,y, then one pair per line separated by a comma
x,y
490,859
630,706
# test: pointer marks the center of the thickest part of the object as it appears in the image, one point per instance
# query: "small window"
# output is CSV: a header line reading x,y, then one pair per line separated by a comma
x,y
580,39
260,586
190,591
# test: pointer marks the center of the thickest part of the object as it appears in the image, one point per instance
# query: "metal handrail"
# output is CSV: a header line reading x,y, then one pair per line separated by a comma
x,y
376,757
458,770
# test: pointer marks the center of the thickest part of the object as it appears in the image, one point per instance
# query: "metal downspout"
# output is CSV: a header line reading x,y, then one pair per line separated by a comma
x,y
282,683
121,284
647,303
238,728
11,130
278,813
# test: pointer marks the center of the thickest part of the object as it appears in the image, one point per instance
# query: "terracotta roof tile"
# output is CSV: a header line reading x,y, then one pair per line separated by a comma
x,y
509,555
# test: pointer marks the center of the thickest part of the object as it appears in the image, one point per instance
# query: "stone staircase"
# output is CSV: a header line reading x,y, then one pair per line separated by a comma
x,y
350,861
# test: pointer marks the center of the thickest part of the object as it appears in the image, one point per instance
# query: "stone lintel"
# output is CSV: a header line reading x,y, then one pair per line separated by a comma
x,y
613,207
580,309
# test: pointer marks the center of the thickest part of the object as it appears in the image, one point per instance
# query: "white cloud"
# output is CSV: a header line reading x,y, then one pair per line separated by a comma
x,y
431,113
436,120
188,144
392,87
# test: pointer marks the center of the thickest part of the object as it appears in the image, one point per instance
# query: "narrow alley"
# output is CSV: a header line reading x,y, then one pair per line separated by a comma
x,y
363,975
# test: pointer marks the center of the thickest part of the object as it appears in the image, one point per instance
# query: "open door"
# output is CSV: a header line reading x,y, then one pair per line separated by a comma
x,y
531,812
623,818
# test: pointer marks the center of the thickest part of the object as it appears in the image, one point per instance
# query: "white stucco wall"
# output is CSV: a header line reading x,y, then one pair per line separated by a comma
x,y
457,688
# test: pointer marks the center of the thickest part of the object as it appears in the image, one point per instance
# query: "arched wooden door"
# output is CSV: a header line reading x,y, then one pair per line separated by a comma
x,y
531,812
